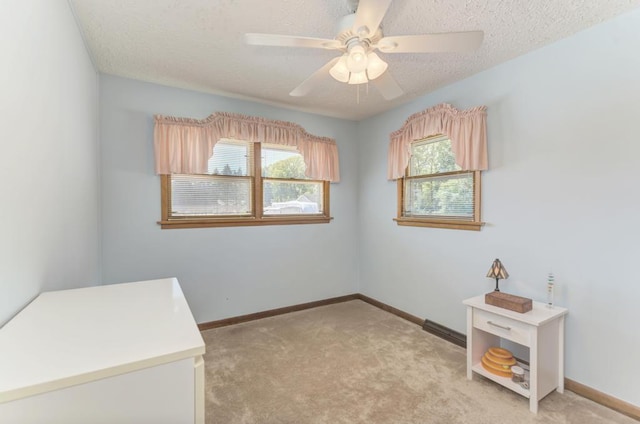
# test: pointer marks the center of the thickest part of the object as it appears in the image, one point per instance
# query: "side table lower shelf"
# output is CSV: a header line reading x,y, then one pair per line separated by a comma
x,y
503,381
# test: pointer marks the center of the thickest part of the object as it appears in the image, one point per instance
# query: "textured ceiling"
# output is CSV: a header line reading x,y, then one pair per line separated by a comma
x,y
198,44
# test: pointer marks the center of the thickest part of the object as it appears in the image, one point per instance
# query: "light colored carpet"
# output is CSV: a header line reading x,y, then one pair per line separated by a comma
x,y
354,363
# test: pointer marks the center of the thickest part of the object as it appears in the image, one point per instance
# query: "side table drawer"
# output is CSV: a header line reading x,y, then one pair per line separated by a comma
x,y
504,327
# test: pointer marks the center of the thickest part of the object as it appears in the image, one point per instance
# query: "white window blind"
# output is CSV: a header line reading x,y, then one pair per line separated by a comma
x,y
228,191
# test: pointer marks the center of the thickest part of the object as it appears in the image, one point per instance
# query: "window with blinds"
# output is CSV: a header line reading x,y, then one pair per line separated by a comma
x,y
243,175
435,190
226,192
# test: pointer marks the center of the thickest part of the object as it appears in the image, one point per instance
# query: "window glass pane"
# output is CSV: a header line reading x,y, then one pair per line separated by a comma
x,y
432,156
202,195
292,197
231,157
449,196
282,195
279,162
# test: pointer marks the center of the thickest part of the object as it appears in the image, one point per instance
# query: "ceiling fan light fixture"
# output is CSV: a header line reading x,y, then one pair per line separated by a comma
x,y
339,71
357,60
358,78
376,66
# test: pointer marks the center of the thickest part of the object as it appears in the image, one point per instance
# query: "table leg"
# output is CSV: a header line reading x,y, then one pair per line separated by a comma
x,y
560,388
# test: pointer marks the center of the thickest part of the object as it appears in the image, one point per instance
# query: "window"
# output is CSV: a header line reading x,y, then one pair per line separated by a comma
x,y
434,192
285,189
241,176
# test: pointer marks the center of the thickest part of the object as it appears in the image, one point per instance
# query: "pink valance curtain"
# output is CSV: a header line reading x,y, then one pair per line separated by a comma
x,y
467,130
184,146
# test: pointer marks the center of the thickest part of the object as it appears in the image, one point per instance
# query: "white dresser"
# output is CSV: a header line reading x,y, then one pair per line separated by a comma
x,y
541,330
121,353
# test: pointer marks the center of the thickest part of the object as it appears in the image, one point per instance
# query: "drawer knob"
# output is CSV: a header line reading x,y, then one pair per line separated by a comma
x,y
504,327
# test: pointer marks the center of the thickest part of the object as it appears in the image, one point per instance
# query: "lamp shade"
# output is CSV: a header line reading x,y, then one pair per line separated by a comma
x,y
339,71
376,66
358,78
357,60
498,272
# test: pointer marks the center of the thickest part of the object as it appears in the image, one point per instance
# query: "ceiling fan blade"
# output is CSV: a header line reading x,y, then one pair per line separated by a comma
x,y
387,86
432,43
369,15
291,41
315,78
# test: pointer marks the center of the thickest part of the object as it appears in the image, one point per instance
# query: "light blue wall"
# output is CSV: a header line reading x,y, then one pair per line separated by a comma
x,y
224,272
561,195
49,229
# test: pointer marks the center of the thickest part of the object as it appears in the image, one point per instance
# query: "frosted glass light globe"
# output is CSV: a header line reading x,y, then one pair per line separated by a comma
x,y
357,60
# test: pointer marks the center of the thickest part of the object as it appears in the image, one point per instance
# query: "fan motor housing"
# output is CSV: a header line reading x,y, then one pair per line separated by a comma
x,y
346,34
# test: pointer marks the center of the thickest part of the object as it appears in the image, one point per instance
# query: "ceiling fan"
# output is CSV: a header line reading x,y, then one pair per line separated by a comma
x,y
359,36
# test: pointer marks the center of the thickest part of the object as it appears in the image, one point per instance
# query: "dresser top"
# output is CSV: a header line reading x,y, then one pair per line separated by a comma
x,y
538,315
70,337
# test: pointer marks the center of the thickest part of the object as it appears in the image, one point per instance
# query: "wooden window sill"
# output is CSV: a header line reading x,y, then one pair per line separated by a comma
x,y
440,223
241,222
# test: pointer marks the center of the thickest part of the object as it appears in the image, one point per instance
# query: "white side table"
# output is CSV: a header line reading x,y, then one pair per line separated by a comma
x,y
541,330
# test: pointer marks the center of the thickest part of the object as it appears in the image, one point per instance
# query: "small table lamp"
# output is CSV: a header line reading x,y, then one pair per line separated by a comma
x,y
498,272
504,300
